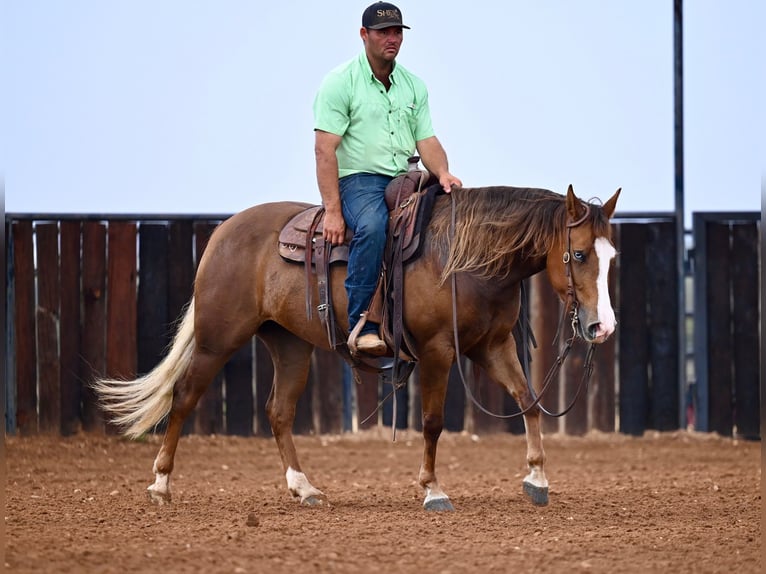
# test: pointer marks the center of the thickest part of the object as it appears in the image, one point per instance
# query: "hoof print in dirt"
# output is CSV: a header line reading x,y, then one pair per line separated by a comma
x,y
537,494
439,505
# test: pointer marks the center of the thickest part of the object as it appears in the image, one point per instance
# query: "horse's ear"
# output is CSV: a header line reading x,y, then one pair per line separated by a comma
x,y
575,207
610,205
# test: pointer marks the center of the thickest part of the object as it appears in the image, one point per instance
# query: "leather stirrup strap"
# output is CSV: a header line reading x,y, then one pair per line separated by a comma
x,y
309,253
326,313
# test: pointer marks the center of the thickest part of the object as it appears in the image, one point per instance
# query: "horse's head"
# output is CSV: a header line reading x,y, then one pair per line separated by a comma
x,y
578,266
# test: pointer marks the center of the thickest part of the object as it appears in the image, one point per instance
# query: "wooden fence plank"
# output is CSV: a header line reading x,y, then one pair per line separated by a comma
x,y
180,283
121,352
488,394
576,420
745,329
48,299
662,316
209,412
327,375
415,407
633,336
367,398
238,374
545,309
153,327
71,382
455,403
93,338
180,267
402,404
264,377
720,387
24,326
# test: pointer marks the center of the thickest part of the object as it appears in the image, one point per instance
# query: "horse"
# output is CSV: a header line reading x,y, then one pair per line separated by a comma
x,y
481,242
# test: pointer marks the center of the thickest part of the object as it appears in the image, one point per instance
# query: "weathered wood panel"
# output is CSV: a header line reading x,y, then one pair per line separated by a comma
x,y
367,398
576,420
720,352
121,348
264,378
93,334
48,298
153,317
633,335
24,326
545,310
662,317
180,282
69,346
745,329
240,402
327,376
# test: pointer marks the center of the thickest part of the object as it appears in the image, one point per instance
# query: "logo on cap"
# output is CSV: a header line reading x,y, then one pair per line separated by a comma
x,y
382,15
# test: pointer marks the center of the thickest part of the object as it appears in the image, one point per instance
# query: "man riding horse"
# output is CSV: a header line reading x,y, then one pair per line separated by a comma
x,y
370,115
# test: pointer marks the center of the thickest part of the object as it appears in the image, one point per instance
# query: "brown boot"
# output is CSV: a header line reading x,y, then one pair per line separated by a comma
x,y
371,344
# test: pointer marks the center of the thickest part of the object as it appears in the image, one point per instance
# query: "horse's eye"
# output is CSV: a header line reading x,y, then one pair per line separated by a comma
x,y
579,256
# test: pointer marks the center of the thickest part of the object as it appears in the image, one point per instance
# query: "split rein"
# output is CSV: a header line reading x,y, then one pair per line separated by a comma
x,y
556,367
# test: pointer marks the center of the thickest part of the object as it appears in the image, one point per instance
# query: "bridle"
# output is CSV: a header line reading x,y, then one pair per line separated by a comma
x,y
572,304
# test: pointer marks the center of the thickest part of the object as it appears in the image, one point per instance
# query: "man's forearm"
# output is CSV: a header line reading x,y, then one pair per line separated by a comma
x,y
327,180
433,156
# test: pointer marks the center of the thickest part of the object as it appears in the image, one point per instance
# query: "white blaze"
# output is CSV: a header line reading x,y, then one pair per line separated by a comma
x,y
605,252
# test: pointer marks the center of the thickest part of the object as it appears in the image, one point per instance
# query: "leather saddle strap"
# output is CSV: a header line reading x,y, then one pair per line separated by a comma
x,y
308,263
325,308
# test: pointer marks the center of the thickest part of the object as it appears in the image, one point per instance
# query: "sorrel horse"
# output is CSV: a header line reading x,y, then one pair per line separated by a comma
x,y
489,238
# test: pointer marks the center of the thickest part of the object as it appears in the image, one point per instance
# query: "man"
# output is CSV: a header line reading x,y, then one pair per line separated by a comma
x,y
370,115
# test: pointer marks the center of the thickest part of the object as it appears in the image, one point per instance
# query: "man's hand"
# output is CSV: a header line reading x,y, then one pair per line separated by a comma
x,y
334,228
447,180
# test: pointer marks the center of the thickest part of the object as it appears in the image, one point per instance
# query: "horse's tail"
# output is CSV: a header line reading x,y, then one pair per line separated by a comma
x,y
138,405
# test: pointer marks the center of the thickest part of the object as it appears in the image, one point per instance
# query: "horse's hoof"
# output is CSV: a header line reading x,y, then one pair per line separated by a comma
x,y
313,501
537,494
438,505
158,497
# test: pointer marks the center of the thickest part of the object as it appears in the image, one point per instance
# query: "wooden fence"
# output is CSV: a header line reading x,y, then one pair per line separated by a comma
x,y
98,295
727,322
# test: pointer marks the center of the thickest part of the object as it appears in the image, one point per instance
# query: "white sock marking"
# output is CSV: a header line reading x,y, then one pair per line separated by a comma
x,y
536,477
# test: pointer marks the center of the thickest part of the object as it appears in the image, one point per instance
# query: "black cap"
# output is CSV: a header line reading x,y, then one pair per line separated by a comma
x,y
382,15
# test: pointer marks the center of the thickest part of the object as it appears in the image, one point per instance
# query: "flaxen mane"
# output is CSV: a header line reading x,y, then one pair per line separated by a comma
x,y
495,225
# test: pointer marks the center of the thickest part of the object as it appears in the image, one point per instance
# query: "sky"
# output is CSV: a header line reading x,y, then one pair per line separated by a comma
x,y
191,106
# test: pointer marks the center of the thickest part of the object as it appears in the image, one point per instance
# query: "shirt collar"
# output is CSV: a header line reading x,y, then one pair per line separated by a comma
x,y
365,63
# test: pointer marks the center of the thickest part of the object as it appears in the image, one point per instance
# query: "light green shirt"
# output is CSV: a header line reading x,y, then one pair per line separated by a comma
x,y
379,128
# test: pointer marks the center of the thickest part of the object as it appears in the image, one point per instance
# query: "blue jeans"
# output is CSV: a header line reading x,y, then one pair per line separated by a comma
x,y
365,212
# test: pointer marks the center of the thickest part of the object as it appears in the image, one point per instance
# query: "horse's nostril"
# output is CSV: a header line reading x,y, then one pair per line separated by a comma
x,y
593,329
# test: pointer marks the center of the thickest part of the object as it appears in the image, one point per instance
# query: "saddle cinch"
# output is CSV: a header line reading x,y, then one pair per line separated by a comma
x,y
410,198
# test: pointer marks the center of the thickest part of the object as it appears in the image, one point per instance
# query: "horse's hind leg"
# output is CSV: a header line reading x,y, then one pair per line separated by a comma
x,y
203,367
292,359
502,365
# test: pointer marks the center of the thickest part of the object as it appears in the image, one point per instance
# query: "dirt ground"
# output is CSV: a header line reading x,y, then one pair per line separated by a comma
x,y
675,502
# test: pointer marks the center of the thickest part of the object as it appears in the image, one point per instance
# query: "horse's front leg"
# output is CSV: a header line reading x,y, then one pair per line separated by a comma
x,y
434,371
292,358
502,365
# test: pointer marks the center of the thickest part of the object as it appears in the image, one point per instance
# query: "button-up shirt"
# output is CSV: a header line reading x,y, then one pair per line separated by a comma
x,y
379,128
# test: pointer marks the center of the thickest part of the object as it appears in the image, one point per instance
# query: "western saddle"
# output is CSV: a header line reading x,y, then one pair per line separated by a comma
x,y
410,198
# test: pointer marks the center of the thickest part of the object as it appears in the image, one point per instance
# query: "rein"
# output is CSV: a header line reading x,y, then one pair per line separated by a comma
x,y
555,368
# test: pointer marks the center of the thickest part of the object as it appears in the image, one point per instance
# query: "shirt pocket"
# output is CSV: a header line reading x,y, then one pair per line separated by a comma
x,y
408,118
